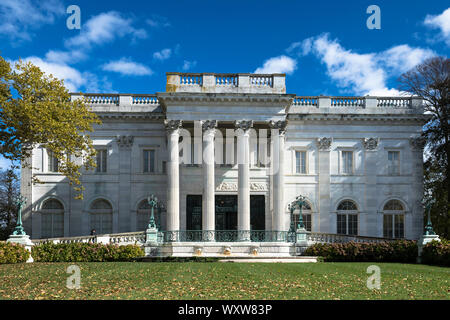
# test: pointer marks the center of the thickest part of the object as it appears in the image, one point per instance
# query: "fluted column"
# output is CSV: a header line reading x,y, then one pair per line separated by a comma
x,y
278,130
173,183
243,159
208,212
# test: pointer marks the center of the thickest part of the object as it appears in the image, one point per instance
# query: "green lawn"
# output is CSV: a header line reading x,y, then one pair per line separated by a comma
x,y
194,280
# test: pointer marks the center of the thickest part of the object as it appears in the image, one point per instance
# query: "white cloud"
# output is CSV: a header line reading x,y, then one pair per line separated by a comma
x,y
187,65
126,66
19,18
104,28
362,73
74,80
441,22
163,54
280,64
158,21
403,58
68,57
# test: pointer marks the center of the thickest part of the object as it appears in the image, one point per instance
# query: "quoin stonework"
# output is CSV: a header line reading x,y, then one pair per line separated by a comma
x,y
227,155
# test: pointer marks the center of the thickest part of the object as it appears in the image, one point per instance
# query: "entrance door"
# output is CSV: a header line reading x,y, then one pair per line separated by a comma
x,y
257,212
226,212
194,212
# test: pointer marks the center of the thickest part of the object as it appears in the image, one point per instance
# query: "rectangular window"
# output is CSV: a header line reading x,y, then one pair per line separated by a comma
x,y
149,161
352,224
53,163
300,162
347,162
399,224
387,225
341,224
393,162
101,161
52,225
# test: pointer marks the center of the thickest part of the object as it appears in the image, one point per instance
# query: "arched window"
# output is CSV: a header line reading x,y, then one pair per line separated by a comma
x,y
306,215
393,219
101,216
52,219
347,218
143,215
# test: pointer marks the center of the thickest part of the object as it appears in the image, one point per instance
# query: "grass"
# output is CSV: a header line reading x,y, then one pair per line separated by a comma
x,y
193,280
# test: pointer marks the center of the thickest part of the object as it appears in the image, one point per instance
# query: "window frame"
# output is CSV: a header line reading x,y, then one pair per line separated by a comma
x,y
348,214
155,165
104,170
398,166
342,164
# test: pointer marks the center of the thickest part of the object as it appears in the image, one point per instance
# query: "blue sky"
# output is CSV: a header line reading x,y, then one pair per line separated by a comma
x,y
324,47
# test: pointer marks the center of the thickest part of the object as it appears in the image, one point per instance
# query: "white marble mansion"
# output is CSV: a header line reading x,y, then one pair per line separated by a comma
x,y
228,154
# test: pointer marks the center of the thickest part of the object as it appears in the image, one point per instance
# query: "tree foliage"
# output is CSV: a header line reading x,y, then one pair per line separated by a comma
x,y
9,191
431,81
36,109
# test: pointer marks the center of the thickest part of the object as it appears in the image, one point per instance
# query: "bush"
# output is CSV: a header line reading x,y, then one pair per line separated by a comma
x,y
437,253
395,251
84,252
13,253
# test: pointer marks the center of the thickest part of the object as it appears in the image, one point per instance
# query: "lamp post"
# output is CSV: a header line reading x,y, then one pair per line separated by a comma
x,y
153,202
300,200
151,234
20,202
429,227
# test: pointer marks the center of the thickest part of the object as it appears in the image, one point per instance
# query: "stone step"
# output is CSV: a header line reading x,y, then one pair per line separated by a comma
x,y
272,260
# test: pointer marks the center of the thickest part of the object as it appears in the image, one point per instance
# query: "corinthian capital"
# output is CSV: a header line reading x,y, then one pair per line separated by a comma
x,y
172,125
280,125
243,125
209,125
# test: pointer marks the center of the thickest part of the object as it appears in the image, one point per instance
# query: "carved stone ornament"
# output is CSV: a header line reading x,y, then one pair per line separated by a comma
x,y
172,125
417,143
370,143
231,186
324,143
209,125
244,125
280,125
125,141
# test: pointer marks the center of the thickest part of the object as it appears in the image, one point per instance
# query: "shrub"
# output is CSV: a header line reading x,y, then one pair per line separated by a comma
x,y
84,252
437,253
395,251
13,253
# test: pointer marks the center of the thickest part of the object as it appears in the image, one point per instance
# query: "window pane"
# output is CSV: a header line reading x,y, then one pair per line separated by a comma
x,y
341,224
399,226
307,221
387,225
152,160
145,161
352,224
347,162
393,162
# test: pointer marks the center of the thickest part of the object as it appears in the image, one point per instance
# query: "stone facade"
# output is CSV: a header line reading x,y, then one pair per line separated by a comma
x,y
205,136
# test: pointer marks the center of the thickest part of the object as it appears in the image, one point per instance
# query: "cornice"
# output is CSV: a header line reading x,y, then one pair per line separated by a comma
x,y
339,118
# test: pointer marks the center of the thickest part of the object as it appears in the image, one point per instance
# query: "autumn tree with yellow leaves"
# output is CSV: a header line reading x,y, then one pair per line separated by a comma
x,y
36,109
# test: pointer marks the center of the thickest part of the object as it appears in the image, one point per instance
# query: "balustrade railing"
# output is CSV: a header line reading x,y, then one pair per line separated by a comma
x,y
261,80
347,101
144,99
227,79
102,98
191,79
316,237
394,102
305,101
228,236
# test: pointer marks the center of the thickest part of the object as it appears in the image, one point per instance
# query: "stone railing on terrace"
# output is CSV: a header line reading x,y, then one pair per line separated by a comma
x,y
226,82
317,237
120,102
116,238
367,104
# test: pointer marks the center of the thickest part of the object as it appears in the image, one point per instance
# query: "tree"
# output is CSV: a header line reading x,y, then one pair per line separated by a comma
x,y
36,109
9,191
431,81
